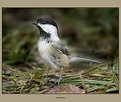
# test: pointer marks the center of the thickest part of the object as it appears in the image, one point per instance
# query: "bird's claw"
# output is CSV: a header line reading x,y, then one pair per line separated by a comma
x,y
59,80
46,80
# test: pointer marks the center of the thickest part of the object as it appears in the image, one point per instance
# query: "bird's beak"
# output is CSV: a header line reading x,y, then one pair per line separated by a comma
x,y
35,23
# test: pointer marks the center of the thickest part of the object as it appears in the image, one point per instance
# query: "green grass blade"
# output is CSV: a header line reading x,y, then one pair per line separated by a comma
x,y
87,81
115,78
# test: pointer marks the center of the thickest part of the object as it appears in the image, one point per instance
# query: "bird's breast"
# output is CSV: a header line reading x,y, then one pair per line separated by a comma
x,y
43,48
44,51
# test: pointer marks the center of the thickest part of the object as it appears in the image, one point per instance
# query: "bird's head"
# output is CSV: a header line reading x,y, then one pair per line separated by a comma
x,y
47,27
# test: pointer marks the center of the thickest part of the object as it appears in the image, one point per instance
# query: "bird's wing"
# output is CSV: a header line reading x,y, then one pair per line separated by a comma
x,y
59,46
60,54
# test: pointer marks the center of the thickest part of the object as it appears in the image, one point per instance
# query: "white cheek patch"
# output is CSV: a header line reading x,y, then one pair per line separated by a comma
x,y
48,28
51,30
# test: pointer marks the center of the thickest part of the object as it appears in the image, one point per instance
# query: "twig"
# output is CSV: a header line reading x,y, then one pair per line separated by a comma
x,y
89,70
83,84
29,89
31,78
10,79
45,90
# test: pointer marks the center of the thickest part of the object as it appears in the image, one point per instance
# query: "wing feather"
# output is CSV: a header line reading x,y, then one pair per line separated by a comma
x,y
59,46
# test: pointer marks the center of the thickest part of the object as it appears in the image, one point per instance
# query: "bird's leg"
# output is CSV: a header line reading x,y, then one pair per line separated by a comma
x,y
46,78
60,77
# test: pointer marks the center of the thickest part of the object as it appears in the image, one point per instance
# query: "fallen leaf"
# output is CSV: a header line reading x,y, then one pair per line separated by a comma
x,y
67,88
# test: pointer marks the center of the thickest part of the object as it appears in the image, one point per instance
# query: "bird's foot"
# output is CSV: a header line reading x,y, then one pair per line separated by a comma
x,y
59,80
46,80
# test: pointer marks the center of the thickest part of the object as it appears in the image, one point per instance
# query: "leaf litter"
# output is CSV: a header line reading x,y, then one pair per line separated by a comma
x,y
93,80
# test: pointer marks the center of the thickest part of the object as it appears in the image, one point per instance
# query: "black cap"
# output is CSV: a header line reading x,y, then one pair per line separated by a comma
x,y
46,20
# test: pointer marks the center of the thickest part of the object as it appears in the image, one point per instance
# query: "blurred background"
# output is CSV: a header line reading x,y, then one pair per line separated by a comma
x,y
88,32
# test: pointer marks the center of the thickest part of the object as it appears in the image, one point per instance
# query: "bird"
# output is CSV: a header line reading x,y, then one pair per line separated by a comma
x,y
52,51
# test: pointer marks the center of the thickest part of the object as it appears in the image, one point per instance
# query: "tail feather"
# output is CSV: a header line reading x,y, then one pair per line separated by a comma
x,y
80,59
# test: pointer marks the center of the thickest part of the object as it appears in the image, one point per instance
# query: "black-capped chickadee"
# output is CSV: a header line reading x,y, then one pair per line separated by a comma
x,y
53,53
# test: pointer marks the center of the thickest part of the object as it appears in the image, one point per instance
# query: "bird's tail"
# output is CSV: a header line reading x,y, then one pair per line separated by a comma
x,y
78,62
80,59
